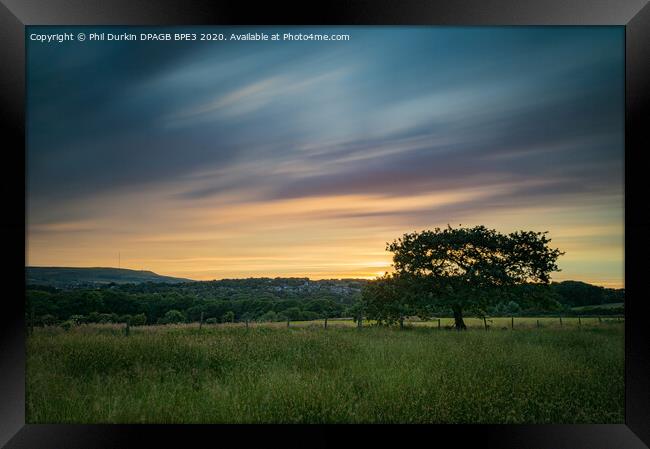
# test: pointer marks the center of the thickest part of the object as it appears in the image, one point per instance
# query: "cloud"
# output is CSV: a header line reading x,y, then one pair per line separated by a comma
x,y
241,148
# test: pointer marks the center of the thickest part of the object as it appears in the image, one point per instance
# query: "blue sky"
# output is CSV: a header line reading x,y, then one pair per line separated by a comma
x,y
231,159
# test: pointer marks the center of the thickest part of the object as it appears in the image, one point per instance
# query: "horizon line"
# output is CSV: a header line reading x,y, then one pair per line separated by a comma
x,y
622,285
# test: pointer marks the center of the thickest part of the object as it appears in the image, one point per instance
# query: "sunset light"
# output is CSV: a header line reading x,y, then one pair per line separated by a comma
x,y
269,160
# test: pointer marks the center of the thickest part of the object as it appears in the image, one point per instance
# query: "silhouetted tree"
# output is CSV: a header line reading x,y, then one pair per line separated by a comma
x,y
469,268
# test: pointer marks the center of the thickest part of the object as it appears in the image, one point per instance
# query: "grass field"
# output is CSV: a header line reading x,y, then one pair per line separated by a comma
x,y
306,374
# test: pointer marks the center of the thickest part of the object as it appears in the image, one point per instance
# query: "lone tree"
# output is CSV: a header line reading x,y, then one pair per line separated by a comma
x,y
470,268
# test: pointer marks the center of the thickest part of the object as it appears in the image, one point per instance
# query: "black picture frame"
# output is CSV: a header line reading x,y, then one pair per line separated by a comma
x,y
16,14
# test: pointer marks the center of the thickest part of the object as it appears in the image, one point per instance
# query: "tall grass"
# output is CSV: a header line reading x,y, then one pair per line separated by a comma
x,y
227,374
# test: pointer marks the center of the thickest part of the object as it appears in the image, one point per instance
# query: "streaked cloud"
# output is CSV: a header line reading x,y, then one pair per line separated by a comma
x,y
252,159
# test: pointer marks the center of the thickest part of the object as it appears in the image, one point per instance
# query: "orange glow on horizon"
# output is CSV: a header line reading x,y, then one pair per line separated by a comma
x,y
341,236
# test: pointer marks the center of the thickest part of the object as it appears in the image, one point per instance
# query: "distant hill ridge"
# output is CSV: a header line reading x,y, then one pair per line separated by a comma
x,y
69,276
569,293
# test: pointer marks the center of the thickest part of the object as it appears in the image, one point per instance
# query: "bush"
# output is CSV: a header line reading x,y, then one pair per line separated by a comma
x,y
211,321
66,325
293,313
77,319
504,309
172,317
139,319
228,317
47,320
309,316
108,318
268,316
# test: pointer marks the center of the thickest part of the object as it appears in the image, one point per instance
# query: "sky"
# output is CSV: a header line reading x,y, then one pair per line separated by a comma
x,y
211,160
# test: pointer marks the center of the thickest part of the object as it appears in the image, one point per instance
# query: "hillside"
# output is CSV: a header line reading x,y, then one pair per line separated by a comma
x,y
62,277
577,294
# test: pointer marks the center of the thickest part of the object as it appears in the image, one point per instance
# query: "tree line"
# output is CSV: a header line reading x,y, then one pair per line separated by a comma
x,y
166,303
440,272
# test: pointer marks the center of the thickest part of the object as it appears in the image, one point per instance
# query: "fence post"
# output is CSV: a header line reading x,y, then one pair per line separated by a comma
x,y
512,322
599,320
126,329
560,320
287,322
438,323
359,322
201,322
538,324
485,323
246,324
579,322
401,322
325,322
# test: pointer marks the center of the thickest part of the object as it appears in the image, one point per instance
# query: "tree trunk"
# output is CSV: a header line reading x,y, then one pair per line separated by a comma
x,y
458,318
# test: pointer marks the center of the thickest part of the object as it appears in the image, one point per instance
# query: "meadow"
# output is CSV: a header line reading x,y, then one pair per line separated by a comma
x,y
269,373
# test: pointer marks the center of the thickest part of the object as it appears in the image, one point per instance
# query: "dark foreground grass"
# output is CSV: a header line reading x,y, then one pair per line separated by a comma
x,y
310,375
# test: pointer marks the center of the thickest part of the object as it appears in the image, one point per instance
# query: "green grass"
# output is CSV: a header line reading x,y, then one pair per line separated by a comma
x,y
305,374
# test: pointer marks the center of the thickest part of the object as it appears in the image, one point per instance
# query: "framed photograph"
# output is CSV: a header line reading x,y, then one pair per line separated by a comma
x,y
355,222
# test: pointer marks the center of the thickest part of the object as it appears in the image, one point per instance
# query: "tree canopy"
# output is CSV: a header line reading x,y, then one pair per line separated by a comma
x,y
462,268
248,299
